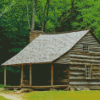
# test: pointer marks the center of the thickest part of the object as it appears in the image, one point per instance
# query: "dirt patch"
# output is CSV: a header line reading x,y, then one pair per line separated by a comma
x,y
11,96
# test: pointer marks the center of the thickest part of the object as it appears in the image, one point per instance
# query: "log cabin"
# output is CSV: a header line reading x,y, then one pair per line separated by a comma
x,y
59,61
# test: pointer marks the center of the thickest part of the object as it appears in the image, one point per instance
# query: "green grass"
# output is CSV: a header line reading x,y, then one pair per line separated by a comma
x,y
62,95
2,98
1,86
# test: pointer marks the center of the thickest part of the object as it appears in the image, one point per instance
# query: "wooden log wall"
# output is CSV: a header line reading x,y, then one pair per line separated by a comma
x,y
96,72
61,74
78,59
77,56
77,75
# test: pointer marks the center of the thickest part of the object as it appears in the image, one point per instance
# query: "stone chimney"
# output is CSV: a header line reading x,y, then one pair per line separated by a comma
x,y
34,34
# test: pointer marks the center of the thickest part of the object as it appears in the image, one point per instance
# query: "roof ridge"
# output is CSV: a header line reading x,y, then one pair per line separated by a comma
x,y
64,32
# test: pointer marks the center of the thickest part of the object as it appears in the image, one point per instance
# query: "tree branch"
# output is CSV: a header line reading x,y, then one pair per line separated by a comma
x,y
66,15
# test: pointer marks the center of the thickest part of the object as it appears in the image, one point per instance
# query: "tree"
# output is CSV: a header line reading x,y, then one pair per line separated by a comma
x,y
46,5
33,17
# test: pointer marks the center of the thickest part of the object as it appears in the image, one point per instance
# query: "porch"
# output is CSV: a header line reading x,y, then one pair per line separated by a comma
x,y
41,76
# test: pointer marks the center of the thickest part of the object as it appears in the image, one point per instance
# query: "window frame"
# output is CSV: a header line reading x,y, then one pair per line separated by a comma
x,y
90,71
85,47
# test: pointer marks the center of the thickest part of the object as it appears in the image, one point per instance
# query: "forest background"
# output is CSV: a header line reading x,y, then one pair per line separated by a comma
x,y
16,21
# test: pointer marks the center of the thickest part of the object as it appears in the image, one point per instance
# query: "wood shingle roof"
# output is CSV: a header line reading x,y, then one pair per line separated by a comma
x,y
46,48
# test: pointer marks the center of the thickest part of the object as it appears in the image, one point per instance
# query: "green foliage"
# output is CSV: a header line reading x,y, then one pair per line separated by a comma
x,y
13,69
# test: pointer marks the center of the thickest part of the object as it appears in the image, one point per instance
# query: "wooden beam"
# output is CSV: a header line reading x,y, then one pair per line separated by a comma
x,y
5,76
30,75
51,75
82,63
77,68
84,83
77,73
22,76
84,56
84,60
38,87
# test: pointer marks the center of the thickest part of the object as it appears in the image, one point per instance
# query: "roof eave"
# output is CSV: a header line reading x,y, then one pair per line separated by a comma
x,y
26,64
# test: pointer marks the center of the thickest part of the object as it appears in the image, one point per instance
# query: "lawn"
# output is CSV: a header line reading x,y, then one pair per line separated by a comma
x,y
2,98
1,86
62,95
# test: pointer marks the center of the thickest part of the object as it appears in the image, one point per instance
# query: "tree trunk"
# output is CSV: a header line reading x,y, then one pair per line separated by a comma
x,y
47,17
33,17
28,15
48,1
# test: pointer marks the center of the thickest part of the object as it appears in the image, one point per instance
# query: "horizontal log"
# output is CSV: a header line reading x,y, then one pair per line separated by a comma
x,y
96,69
88,38
81,63
94,47
94,52
77,50
60,61
86,80
84,60
90,43
84,56
38,87
81,77
78,83
76,73
72,75
81,50
94,87
82,53
96,74
76,68
96,77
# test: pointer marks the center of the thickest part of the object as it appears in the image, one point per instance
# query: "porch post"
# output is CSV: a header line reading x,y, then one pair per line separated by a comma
x,y
51,75
22,76
30,75
5,76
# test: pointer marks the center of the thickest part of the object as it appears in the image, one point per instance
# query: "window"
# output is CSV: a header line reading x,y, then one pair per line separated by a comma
x,y
88,72
85,47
